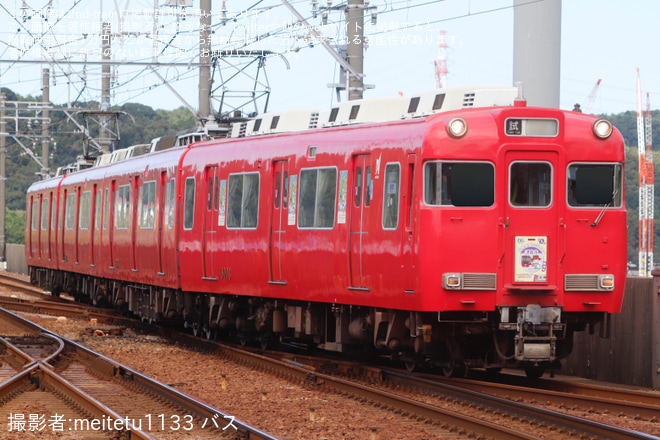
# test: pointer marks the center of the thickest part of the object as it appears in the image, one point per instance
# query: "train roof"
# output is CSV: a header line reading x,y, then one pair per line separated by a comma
x,y
377,110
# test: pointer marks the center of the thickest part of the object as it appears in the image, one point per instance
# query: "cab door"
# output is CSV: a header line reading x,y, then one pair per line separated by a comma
x,y
530,220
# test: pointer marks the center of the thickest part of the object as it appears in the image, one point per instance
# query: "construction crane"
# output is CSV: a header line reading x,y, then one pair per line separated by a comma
x,y
592,97
441,62
646,178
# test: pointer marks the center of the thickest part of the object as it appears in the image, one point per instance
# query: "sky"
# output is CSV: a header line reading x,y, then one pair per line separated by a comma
x,y
600,39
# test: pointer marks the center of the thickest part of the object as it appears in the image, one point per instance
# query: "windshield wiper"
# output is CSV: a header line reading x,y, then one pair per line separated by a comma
x,y
602,211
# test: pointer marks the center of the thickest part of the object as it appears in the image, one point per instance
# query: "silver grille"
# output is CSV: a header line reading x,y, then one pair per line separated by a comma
x,y
581,282
314,120
479,281
468,99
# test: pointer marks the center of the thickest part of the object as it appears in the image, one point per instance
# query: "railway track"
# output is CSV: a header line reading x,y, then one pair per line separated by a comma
x,y
60,386
458,408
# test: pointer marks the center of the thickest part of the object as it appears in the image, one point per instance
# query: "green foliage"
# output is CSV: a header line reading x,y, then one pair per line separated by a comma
x,y
15,226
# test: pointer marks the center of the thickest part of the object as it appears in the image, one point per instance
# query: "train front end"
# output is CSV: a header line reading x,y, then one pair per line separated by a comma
x,y
523,233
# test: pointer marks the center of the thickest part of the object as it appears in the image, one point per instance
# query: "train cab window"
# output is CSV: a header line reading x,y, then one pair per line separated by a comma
x,y
243,201
594,185
530,184
318,197
391,192
85,210
44,214
459,184
148,205
189,204
70,211
35,214
122,206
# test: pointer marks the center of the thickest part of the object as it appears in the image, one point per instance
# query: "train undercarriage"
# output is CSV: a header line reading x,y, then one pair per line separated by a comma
x,y
532,338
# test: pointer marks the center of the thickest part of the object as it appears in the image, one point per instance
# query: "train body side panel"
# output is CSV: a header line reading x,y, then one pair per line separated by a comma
x,y
312,260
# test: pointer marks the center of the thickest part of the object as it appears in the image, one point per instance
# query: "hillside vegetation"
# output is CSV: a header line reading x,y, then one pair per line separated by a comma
x,y
140,123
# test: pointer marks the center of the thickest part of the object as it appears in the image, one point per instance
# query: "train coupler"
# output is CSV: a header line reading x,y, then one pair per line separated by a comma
x,y
535,327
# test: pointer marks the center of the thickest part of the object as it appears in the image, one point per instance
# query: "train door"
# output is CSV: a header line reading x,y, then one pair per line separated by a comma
x,y
112,218
210,228
278,219
360,202
94,224
133,213
531,221
408,242
160,223
33,237
52,226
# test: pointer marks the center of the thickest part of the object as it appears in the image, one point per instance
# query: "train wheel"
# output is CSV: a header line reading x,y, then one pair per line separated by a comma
x,y
207,333
410,364
455,369
534,372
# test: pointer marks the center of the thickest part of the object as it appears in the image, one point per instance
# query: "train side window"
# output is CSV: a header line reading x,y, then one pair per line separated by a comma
x,y
122,206
97,211
285,191
369,193
590,185
35,214
70,214
147,205
278,190
169,203
85,210
358,187
530,184
243,201
391,192
318,197
106,209
459,184
189,204
44,214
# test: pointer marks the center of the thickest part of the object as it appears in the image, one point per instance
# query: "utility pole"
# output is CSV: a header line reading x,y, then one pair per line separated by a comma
x,y
45,124
355,47
204,61
3,177
104,134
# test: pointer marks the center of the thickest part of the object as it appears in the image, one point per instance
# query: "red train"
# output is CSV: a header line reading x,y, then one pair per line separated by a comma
x,y
457,229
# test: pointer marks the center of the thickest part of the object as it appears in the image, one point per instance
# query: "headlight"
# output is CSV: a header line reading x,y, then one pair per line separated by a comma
x,y
451,281
603,128
606,282
457,127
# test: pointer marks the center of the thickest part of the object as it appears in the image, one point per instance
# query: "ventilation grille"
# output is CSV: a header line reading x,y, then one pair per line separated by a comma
x,y
314,120
479,281
468,99
242,129
581,282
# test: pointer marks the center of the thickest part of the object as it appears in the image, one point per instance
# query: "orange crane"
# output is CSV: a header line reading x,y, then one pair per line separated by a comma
x,y
646,178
